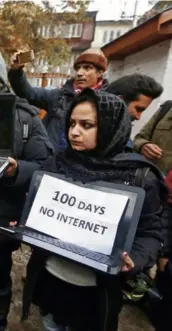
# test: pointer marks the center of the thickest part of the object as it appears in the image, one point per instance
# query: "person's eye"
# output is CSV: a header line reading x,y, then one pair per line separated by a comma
x,y
72,124
88,125
139,109
87,68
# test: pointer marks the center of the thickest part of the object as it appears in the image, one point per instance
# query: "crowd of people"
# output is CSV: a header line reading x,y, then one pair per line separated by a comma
x,y
85,135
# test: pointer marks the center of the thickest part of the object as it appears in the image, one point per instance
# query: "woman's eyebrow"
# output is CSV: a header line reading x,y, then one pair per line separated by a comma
x,y
83,119
88,121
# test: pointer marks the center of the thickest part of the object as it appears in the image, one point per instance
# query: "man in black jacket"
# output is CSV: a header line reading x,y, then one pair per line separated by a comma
x,y
89,68
35,147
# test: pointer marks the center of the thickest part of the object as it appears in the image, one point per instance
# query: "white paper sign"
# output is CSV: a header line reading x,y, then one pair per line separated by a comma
x,y
82,216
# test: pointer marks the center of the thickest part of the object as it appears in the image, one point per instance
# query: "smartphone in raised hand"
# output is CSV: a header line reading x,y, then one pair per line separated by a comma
x,y
25,57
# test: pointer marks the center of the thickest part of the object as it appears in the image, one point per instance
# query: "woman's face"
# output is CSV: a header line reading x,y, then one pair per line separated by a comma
x,y
82,132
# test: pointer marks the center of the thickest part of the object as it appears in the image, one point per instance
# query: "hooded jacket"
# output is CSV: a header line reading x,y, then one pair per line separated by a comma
x,y
55,102
36,149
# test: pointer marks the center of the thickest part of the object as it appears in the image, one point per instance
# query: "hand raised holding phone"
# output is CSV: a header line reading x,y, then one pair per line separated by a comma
x,y
20,58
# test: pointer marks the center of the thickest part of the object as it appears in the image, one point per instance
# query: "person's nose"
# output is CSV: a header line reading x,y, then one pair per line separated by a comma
x,y
138,116
80,72
75,131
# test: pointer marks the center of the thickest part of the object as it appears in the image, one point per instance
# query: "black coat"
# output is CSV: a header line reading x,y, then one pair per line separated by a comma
x,y
55,102
36,150
148,239
166,224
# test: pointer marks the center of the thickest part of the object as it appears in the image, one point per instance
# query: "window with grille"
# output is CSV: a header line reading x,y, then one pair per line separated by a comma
x,y
118,33
76,30
111,37
105,37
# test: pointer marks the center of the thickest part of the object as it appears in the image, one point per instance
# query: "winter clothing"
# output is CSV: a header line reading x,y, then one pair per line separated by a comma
x,y
80,307
159,135
168,180
94,56
158,130
129,147
55,102
161,310
97,86
166,219
35,148
89,309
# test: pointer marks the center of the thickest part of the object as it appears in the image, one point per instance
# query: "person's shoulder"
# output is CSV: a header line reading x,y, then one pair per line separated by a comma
x,y
56,90
147,175
152,176
155,181
164,113
23,106
55,93
167,103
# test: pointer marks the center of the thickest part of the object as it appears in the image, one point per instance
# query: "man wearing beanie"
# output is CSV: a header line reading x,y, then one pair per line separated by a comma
x,y
36,148
89,68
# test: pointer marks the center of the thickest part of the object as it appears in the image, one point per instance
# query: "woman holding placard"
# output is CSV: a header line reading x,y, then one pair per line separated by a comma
x,y
98,128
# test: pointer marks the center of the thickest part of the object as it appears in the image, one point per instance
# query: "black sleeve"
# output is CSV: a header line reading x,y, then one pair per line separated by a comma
x,y
168,268
37,150
36,96
26,169
148,239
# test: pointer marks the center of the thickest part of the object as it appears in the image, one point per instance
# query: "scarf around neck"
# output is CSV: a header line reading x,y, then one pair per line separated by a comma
x,y
97,86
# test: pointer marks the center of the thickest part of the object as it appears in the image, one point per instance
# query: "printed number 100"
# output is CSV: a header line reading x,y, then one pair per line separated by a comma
x,y
64,198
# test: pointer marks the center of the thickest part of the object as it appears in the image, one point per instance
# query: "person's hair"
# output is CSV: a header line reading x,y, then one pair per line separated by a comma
x,y
131,86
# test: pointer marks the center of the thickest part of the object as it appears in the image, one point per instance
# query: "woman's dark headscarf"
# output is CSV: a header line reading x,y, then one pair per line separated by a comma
x,y
114,128
114,125
104,163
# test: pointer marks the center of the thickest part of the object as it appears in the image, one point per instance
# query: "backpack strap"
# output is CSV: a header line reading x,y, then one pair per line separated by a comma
x,y
25,114
25,120
140,176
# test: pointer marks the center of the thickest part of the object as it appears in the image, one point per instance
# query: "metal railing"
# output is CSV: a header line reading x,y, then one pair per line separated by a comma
x,y
49,80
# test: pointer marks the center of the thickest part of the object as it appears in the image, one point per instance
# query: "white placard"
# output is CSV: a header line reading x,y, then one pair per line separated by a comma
x,y
82,216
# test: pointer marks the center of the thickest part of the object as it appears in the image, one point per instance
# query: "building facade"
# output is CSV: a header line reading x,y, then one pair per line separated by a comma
x,y
79,37
147,49
107,31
